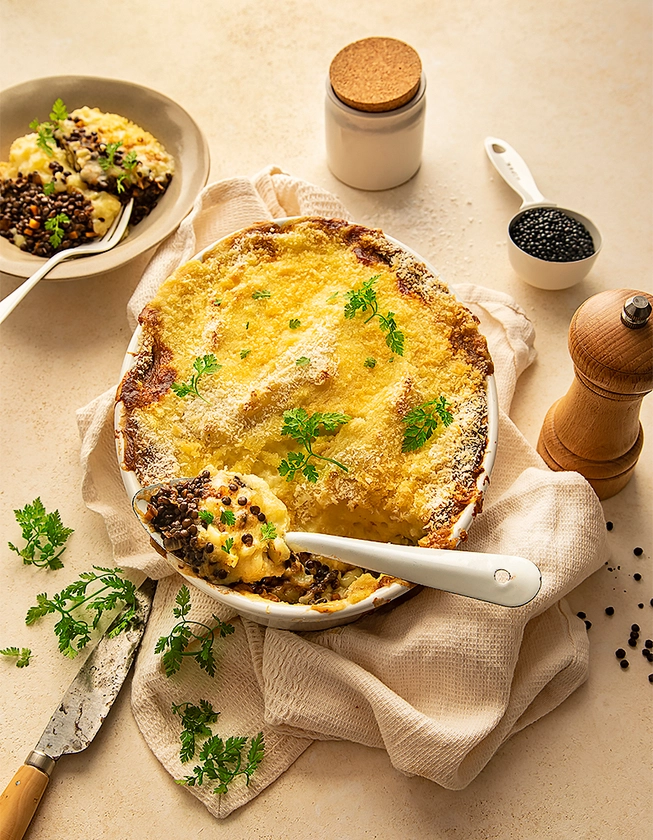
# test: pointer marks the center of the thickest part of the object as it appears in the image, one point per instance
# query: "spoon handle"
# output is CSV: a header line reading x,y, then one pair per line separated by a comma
x,y
497,578
514,171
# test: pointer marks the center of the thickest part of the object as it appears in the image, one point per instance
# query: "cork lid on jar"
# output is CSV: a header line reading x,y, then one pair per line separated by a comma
x,y
376,74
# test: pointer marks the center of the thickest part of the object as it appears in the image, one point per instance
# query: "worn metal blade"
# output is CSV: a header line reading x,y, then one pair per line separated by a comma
x,y
88,700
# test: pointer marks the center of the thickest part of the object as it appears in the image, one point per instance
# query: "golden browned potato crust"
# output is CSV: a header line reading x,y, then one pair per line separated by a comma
x,y
238,303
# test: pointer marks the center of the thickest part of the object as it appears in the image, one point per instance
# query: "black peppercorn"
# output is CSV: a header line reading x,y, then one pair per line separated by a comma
x,y
624,663
609,525
609,610
638,551
581,615
620,653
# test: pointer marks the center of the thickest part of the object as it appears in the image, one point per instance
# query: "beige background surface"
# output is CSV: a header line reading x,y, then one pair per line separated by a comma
x,y
568,84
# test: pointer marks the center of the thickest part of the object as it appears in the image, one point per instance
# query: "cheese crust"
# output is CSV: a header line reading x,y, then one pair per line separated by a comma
x,y
269,304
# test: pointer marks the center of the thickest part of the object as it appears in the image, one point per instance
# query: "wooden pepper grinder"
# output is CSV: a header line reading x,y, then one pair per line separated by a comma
x,y
594,429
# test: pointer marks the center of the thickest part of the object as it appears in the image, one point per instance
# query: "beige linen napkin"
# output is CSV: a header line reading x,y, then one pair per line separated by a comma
x,y
439,681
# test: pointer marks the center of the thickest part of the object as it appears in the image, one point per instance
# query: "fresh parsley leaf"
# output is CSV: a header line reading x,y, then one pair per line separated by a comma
x,y
303,361
206,516
195,721
422,421
49,188
120,183
332,297
95,593
175,646
268,531
202,366
370,362
45,139
217,301
244,353
107,160
394,338
363,299
55,225
22,656
228,517
59,111
294,323
305,430
223,761
263,294
228,545
129,161
44,534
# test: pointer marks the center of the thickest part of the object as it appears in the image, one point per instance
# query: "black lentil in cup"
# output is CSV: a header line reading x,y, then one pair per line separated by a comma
x,y
549,234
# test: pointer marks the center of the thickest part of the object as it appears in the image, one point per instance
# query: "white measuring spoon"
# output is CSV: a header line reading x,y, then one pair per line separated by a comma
x,y
543,274
497,578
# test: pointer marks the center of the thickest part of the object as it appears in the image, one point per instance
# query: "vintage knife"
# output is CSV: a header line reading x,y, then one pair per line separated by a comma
x,y
77,718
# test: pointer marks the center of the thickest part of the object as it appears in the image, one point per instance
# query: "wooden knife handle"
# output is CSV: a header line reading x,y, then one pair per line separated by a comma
x,y
20,800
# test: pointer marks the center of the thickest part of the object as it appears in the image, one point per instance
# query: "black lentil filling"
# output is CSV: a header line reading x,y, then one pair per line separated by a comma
x,y
173,511
25,209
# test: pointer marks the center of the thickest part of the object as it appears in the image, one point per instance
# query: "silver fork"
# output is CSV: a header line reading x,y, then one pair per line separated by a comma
x,y
111,238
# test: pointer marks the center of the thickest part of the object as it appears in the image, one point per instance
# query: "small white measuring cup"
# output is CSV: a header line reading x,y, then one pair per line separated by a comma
x,y
543,274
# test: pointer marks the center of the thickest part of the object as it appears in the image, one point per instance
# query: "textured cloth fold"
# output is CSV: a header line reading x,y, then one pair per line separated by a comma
x,y
439,681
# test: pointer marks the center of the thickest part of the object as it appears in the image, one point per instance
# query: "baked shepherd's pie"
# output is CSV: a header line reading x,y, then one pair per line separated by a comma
x,y
318,365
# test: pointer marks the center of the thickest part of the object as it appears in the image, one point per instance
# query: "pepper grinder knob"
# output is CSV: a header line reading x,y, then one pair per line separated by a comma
x,y
636,312
594,429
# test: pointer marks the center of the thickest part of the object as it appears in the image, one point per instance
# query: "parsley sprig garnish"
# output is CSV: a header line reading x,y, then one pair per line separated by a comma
x,y
107,160
221,761
95,592
55,226
202,366
44,533
228,517
422,421
305,430
175,646
363,299
22,655
195,722
45,130
45,139
269,531
262,294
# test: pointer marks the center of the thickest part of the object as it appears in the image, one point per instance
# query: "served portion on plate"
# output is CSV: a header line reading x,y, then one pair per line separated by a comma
x,y
66,180
77,147
326,361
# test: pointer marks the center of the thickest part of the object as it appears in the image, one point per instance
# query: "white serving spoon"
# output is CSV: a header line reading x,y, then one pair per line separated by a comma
x,y
497,578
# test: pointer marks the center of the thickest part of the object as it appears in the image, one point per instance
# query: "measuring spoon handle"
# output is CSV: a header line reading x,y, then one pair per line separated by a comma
x,y
512,168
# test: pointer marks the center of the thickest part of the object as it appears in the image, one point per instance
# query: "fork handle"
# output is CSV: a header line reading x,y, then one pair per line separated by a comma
x,y
12,300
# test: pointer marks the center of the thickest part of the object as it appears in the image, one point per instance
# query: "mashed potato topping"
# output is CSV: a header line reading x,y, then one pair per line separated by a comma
x,y
261,360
